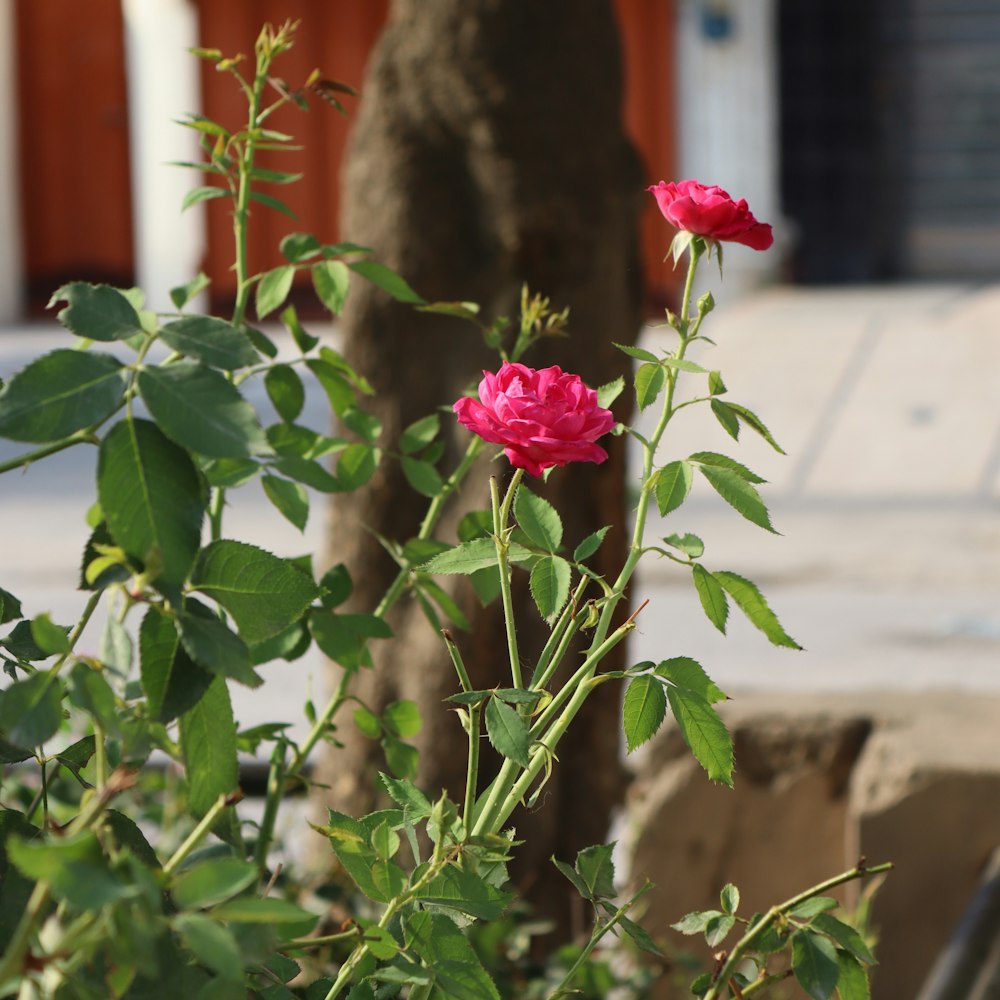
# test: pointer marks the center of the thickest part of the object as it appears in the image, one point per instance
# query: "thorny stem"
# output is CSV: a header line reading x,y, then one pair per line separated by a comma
x,y
501,537
195,837
86,436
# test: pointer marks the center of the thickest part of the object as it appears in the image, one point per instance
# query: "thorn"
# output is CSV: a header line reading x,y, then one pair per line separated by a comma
x,y
632,616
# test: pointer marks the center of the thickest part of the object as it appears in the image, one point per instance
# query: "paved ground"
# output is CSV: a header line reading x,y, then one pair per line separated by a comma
x,y
887,570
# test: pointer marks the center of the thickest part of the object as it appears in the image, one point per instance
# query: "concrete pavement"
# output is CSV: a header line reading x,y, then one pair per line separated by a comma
x,y
887,568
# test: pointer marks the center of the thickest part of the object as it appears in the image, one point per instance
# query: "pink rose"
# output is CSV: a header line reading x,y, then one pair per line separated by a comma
x,y
708,211
542,418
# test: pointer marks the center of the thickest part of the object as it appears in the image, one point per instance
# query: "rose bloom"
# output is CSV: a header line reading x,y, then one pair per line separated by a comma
x,y
708,211
542,418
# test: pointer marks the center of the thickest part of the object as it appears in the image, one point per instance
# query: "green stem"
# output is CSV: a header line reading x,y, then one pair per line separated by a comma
x,y
322,723
595,938
275,793
74,636
562,635
472,770
744,944
501,535
195,837
80,437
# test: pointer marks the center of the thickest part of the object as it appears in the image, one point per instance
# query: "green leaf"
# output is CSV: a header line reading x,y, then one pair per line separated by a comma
x,y
267,910
402,718
401,758
689,674
31,710
336,585
273,289
203,412
206,192
271,202
443,948
419,434
212,944
299,246
385,841
754,422
262,593
814,962
571,874
549,583
344,638
465,892
704,732
415,804
640,936
639,353
712,596
212,341
212,881
727,418
716,387
422,476
730,898
718,928
845,936
597,870
696,922
357,465
368,723
649,381
332,281
230,472
352,845
183,294
386,279
115,650
610,391
286,391
725,462
305,342
152,498
365,425
691,545
10,607
590,544
96,312
643,711
172,681
49,637
208,745
289,498
813,906
682,364
213,645
131,838
673,484
306,471
538,519
60,393
507,732
91,693
479,553
751,602
279,177
739,494
852,978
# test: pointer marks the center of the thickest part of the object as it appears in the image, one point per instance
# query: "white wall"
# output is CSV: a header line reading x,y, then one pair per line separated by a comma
x,y
163,86
11,303
728,124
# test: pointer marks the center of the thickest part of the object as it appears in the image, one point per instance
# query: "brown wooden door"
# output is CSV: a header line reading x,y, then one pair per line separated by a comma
x,y
76,206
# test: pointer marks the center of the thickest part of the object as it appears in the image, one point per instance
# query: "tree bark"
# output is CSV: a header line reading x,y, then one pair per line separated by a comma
x,y
488,151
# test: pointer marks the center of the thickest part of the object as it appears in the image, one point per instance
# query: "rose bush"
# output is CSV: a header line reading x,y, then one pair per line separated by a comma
x,y
708,211
543,418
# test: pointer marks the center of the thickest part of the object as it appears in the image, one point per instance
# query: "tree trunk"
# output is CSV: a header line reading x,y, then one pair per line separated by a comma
x,y
488,151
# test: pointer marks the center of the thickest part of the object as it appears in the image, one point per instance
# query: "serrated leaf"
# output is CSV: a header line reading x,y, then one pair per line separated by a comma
x,y
507,732
683,365
263,593
739,494
813,906
332,281
610,391
852,978
718,928
443,948
590,544
477,554
289,498
273,289
205,192
814,962
152,498
266,910
172,681
183,294
649,382
725,462
31,710
689,674
386,279
404,793
845,936
419,434
208,745
96,312
60,393
465,892
716,387
91,693
690,545
271,202
213,645
356,465
299,246
212,341
344,638
704,732
696,922
549,584
673,484
643,711
752,603
574,878
199,409
640,936
422,476
10,607
639,353
306,471
597,870
402,718
49,637
712,596
729,898
212,944
538,519
727,418
754,422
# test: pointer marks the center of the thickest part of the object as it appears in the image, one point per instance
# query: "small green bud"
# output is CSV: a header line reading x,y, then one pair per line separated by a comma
x,y
706,304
